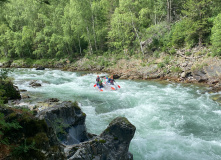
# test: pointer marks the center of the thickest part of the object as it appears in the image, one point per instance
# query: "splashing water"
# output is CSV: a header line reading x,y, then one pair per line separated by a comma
x,y
173,121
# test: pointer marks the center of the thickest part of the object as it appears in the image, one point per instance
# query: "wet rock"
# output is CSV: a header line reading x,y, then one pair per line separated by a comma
x,y
217,98
52,100
112,144
68,121
23,90
34,84
40,68
25,96
116,76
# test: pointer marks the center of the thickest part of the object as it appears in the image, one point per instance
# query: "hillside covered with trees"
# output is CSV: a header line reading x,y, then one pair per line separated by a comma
x,y
71,28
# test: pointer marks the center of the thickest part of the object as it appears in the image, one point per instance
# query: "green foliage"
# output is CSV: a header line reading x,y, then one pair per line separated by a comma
x,y
188,53
176,69
22,149
157,34
7,90
66,29
5,127
198,66
156,54
167,60
216,36
41,62
198,13
184,33
25,136
160,65
4,73
172,51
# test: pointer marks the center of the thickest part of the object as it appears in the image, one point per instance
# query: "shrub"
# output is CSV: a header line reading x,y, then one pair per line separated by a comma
x,y
41,62
167,60
6,126
176,69
161,65
172,51
4,73
157,35
184,33
188,53
156,54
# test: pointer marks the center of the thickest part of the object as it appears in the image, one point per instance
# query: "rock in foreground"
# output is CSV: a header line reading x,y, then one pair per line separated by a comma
x,y
112,144
68,121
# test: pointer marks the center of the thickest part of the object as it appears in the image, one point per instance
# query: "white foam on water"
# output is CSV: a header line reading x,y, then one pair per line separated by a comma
x,y
173,121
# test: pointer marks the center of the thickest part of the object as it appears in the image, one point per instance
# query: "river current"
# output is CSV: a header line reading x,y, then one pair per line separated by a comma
x,y
173,121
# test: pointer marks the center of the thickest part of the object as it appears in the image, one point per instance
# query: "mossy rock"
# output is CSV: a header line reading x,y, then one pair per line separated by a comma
x,y
30,138
217,98
102,141
10,91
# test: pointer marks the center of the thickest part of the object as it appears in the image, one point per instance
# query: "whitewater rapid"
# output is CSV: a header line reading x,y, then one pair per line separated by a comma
x,y
173,121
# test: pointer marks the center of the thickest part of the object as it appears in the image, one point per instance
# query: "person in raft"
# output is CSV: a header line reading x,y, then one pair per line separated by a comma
x,y
111,80
97,79
99,82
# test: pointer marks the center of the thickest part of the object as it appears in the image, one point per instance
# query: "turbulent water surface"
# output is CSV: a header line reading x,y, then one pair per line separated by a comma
x,y
173,121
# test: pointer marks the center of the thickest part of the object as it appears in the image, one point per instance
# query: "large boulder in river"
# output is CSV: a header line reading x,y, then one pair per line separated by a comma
x,y
34,83
68,121
112,144
40,68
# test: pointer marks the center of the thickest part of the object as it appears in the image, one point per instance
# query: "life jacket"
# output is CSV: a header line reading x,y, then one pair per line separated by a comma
x,y
100,83
97,79
110,80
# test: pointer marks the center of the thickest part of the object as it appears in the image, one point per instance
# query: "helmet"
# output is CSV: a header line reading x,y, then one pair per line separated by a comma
x,y
97,76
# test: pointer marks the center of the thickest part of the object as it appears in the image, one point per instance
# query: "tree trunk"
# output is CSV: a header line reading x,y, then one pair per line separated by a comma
x,y
92,17
141,48
88,34
168,11
79,43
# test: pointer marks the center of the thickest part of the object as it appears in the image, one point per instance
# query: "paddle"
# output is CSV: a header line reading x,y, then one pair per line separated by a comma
x,y
98,87
117,84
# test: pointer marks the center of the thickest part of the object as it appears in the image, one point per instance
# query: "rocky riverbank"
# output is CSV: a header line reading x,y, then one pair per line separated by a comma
x,y
184,65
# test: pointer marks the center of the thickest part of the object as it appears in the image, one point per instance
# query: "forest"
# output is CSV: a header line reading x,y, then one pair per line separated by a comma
x,y
39,29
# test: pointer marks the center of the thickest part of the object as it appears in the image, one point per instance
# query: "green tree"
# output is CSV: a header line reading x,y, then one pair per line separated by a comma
x,y
216,36
199,12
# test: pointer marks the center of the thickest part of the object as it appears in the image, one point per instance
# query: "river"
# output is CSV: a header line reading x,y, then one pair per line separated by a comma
x,y
173,121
